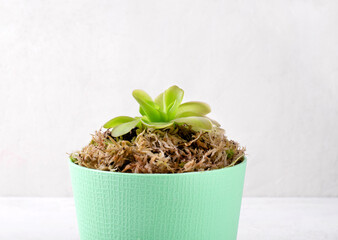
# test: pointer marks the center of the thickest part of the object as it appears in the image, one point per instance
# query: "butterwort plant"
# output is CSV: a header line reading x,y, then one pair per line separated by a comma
x,y
168,137
137,165
164,111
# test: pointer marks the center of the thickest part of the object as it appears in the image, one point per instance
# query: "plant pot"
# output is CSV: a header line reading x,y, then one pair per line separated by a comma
x,y
182,206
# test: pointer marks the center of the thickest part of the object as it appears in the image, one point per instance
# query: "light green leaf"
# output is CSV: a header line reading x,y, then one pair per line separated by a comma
x,y
159,102
197,123
124,128
157,125
149,108
214,122
117,121
145,118
172,106
195,108
188,114
142,111
139,94
172,98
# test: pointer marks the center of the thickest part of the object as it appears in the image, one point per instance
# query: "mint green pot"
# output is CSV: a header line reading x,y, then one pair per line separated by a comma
x,y
182,206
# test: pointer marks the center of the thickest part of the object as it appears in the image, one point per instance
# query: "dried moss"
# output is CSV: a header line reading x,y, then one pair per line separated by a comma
x,y
171,150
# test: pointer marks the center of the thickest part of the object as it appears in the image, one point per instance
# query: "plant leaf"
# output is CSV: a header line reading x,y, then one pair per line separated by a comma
x,y
117,121
143,113
214,122
124,128
173,95
188,114
145,118
197,123
195,108
157,125
171,106
159,102
149,108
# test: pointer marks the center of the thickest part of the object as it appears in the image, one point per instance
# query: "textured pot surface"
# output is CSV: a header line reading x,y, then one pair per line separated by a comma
x,y
127,206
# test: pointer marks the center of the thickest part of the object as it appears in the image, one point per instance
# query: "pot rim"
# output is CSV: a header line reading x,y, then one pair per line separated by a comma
x,y
160,174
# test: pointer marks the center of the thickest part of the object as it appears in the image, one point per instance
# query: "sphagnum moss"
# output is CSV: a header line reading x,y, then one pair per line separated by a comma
x,y
170,150
169,137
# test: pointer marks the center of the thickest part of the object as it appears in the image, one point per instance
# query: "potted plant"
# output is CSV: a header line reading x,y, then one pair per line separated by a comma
x,y
169,174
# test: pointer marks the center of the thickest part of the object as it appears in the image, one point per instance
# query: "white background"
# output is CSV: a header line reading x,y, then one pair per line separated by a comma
x,y
269,69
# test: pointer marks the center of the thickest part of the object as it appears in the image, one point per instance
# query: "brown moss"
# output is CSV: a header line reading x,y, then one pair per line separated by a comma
x,y
171,150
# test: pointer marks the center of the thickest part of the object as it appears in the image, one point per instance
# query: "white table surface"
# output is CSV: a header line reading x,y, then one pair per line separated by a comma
x,y
261,218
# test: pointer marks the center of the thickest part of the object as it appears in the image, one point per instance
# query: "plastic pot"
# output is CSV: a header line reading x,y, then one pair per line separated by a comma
x,y
183,206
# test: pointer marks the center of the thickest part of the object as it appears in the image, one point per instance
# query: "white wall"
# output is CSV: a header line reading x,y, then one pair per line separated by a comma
x,y
269,69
